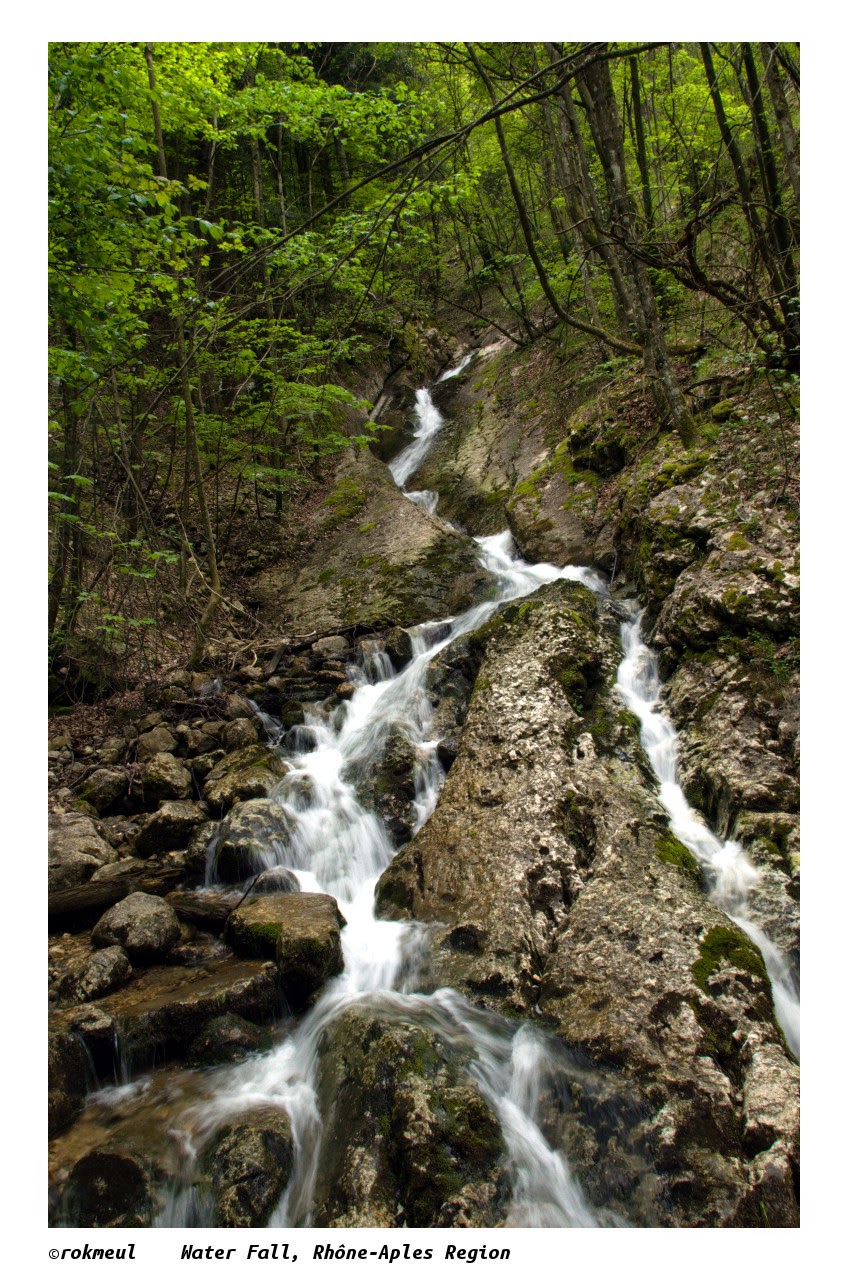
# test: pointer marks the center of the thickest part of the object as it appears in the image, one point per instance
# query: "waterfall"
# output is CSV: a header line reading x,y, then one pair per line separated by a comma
x,y
728,875
336,845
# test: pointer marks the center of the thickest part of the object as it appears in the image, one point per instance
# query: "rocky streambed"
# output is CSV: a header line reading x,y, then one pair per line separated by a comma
x,y
389,927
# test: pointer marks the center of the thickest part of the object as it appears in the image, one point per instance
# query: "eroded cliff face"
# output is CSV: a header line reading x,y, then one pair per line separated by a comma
x,y
548,882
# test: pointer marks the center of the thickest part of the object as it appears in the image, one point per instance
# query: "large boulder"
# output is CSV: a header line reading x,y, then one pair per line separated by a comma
x,y
75,851
387,785
104,789
308,946
67,1078
245,774
408,1138
251,839
108,1189
170,827
145,926
248,1163
309,920
228,1038
554,886
165,778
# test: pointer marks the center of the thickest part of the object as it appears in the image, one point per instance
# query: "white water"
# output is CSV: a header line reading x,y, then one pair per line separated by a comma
x,y
727,872
338,847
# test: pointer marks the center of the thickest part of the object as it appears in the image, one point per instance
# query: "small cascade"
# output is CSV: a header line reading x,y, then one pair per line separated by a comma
x,y
430,423
728,875
453,373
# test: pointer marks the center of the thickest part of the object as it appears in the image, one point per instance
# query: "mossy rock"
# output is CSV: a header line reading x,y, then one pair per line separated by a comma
x,y
723,947
673,852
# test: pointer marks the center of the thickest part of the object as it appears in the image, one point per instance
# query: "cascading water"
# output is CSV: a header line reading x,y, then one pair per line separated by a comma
x,y
337,846
728,874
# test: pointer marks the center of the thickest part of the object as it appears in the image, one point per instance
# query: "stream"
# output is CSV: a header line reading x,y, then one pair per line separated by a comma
x,y
338,847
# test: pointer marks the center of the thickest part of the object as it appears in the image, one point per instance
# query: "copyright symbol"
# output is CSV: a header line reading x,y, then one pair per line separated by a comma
x,y
54,1253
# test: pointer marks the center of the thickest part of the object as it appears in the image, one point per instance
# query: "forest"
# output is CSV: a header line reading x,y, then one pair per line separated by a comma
x,y
555,288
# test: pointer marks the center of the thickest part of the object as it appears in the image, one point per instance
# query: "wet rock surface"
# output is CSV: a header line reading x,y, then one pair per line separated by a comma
x,y
308,943
249,1163
408,1138
548,872
550,884
108,1189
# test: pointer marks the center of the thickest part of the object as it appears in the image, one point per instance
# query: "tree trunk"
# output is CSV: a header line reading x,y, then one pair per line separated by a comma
x,y
596,89
618,344
788,133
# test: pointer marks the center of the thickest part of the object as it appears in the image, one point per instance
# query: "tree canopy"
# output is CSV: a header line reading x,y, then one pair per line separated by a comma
x,y
236,227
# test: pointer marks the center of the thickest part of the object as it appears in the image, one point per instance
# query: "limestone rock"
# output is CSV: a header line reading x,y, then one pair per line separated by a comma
x,y
170,827
75,851
162,1010
207,909
387,786
308,942
408,566
156,740
165,778
104,789
408,1138
251,838
255,927
226,1039
145,926
249,1163
245,774
107,969
66,1079
240,732
108,1189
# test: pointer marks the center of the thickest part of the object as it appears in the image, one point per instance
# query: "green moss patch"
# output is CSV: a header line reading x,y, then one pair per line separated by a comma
x,y
725,947
673,852
346,499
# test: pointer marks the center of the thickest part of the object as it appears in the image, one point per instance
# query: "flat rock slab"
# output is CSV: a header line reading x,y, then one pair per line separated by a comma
x,y
302,928
161,1011
374,558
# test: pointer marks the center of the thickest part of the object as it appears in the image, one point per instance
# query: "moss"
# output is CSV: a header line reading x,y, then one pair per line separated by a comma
x,y
629,721
366,528
724,410
723,947
346,499
737,543
325,576
672,851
